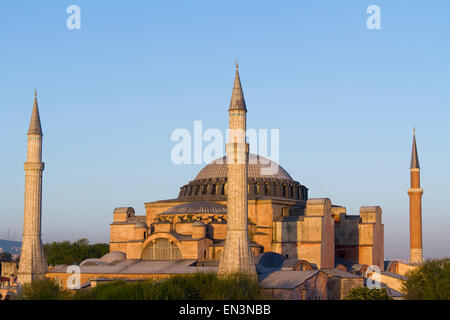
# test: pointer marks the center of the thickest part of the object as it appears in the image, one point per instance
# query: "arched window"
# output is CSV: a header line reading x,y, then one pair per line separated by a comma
x,y
161,249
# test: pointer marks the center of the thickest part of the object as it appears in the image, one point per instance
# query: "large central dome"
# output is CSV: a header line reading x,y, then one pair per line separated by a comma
x,y
265,179
257,168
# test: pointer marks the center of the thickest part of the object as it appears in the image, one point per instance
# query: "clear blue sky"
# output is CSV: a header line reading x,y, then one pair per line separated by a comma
x,y
345,99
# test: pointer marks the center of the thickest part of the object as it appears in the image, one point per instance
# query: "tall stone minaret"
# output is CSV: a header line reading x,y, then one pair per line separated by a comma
x,y
33,264
415,207
237,253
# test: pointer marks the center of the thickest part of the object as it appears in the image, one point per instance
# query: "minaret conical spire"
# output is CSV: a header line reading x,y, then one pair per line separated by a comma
x,y
414,155
237,252
33,264
415,208
237,97
35,122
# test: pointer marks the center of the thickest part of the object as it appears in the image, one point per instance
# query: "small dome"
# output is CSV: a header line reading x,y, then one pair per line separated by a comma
x,y
140,224
197,207
270,259
198,223
93,262
113,256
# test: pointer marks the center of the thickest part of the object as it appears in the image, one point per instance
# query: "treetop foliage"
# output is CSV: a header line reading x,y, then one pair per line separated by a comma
x,y
67,252
431,281
364,293
6,257
45,289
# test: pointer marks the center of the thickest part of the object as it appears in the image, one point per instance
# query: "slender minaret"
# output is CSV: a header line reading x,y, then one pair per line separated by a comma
x,y
237,253
415,207
33,264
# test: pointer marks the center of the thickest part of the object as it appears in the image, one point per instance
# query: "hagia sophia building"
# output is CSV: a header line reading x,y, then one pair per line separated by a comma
x,y
281,219
232,215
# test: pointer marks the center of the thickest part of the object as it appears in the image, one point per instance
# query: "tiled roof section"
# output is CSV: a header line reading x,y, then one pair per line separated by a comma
x,y
131,220
237,96
394,275
414,155
35,122
317,201
129,210
286,279
197,207
134,266
339,273
218,169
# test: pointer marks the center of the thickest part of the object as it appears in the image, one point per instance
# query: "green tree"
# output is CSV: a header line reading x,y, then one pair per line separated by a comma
x,y
364,293
6,257
431,281
45,289
66,252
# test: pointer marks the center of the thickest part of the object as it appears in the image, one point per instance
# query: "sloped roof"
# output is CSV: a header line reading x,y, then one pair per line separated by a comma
x,y
286,279
339,273
135,266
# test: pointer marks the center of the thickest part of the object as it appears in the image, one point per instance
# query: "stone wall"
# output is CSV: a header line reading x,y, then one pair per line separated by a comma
x,y
360,238
61,278
8,269
339,287
309,236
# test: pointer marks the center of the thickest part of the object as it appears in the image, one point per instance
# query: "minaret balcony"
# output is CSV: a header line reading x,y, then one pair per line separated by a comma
x,y
34,166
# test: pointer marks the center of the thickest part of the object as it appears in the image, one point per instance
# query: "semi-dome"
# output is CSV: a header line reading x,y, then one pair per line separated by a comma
x,y
113,256
265,178
258,167
197,207
93,262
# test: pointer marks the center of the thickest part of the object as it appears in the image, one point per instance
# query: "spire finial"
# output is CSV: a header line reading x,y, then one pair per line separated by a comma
x,y
35,93
414,131
237,64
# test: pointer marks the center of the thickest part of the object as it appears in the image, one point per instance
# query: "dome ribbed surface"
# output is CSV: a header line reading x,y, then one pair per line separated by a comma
x,y
218,169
